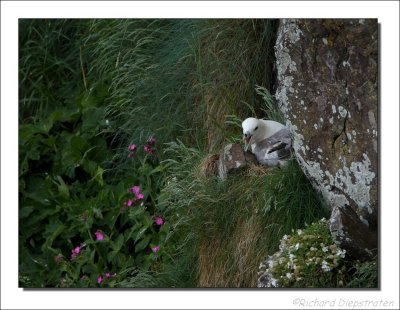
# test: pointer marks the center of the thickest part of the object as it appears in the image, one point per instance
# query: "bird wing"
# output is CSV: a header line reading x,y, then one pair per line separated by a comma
x,y
276,147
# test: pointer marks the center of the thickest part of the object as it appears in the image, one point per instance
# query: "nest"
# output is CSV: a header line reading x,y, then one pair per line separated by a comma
x,y
208,166
257,169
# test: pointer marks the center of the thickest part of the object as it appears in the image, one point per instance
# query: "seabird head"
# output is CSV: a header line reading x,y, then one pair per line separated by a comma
x,y
252,131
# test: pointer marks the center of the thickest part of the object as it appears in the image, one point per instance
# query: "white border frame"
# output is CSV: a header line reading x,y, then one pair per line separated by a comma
x,y
14,298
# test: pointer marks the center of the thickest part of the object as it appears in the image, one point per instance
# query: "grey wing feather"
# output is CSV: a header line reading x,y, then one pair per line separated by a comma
x,y
278,146
274,148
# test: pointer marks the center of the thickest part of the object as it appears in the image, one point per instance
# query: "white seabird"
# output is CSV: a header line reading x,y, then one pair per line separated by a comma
x,y
270,141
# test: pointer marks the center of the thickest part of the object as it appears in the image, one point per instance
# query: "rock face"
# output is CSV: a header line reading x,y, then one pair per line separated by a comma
x,y
327,88
345,229
233,158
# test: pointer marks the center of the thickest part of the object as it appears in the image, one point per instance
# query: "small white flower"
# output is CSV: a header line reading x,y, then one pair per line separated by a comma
x,y
291,256
325,249
313,249
289,275
297,246
274,282
299,232
341,253
325,266
285,237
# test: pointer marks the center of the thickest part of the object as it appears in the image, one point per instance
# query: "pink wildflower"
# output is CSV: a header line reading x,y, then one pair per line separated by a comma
x,y
139,196
99,235
129,202
99,279
58,258
132,147
155,248
129,155
158,220
148,149
108,275
75,252
135,189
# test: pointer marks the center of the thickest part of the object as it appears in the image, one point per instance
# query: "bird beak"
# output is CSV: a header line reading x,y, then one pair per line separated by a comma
x,y
247,141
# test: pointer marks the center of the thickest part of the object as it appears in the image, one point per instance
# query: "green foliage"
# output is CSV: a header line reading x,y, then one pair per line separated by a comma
x,y
65,198
49,74
364,274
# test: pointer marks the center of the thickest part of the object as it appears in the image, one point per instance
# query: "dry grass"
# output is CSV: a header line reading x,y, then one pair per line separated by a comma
x,y
246,237
231,263
208,166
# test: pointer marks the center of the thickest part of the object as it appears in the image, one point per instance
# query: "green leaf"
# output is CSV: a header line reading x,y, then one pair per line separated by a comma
x,y
77,143
111,255
128,233
157,169
57,231
91,119
98,176
140,234
134,212
27,131
62,188
117,245
97,213
33,152
142,244
165,228
25,211
89,166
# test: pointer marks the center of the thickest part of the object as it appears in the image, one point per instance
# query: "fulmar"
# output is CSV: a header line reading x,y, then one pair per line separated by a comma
x,y
270,141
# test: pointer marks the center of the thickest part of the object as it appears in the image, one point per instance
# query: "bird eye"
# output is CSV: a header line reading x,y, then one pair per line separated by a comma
x,y
256,128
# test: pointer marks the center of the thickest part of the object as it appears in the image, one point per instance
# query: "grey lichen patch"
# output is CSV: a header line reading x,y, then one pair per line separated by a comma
x,y
289,34
342,111
371,118
292,29
353,181
359,190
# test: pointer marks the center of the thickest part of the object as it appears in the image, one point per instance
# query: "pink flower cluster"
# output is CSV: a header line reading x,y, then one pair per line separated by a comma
x,y
155,248
136,190
132,149
58,259
158,220
107,275
139,196
99,235
75,252
149,147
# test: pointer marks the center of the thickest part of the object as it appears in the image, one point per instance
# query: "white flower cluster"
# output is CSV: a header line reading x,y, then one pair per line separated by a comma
x,y
300,255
